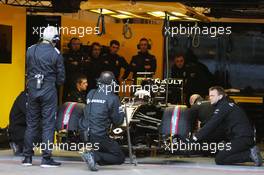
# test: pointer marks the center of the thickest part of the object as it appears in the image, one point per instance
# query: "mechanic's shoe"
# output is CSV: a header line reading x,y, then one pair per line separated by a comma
x,y
256,156
88,157
49,163
27,161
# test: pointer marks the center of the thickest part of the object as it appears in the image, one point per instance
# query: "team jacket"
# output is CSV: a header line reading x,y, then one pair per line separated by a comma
x,y
231,118
139,62
45,59
102,109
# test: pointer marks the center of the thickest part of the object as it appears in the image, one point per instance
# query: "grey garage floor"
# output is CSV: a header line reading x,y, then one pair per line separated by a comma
x,y
72,165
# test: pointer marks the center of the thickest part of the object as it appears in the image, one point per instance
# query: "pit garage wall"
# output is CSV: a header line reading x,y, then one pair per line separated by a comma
x,y
114,31
12,75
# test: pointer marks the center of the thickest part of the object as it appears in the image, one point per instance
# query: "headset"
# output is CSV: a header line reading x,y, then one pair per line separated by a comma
x,y
51,34
69,45
144,39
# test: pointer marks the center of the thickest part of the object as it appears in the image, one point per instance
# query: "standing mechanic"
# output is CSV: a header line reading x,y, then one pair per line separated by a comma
x,y
180,69
76,63
94,69
236,127
114,62
143,61
45,69
102,109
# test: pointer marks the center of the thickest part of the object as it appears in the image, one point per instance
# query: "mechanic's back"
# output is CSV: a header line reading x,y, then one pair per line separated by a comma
x,y
103,108
45,59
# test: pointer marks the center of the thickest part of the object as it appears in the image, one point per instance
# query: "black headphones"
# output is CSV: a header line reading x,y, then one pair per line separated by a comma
x,y
70,42
144,39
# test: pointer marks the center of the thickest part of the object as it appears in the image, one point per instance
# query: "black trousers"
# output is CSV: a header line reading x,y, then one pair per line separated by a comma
x,y
42,106
109,152
239,153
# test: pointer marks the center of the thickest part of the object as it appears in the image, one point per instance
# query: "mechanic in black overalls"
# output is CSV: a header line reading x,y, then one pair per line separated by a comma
x,y
114,62
143,61
103,109
201,110
237,128
45,70
17,123
94,69
76,63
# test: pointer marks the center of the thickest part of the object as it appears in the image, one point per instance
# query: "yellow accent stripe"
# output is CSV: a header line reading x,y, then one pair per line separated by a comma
x,y
244,99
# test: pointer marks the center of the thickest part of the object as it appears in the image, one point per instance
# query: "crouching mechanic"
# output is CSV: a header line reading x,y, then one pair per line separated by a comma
x,y
236,127
102,109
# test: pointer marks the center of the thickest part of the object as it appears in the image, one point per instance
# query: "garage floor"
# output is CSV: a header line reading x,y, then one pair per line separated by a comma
x,y
72,164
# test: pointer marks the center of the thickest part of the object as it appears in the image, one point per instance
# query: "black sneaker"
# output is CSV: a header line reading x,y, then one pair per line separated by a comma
x,y
49,163
88,157
256,156
27,161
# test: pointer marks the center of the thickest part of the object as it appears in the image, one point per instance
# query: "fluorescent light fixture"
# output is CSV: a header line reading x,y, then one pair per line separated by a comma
x,y
130,14
174,18
191,19
160,14
104,11
157,13
124,12
178,14
120,16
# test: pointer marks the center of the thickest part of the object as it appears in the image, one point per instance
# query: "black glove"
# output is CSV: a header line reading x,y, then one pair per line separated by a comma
x,y
193,139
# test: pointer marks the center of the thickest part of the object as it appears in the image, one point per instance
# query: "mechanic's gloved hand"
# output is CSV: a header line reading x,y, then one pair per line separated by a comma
x,y
194,139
